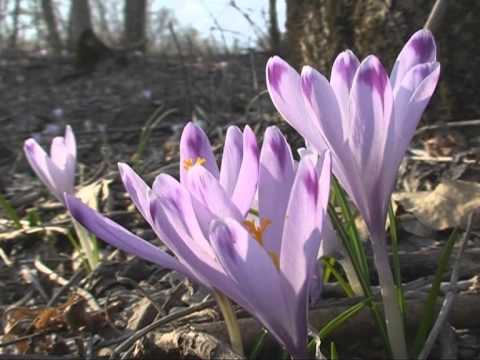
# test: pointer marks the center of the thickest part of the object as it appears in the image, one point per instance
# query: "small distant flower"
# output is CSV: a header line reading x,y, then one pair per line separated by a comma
x,y
147,94
58,113
262,264
57,171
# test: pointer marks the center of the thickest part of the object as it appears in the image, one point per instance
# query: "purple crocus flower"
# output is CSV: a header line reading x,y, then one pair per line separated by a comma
x,y
57,171
367,120
238,173
206,230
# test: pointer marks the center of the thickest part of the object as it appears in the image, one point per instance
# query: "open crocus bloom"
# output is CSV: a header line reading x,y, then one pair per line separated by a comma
x,y
239,168
57,171
214,244
364,117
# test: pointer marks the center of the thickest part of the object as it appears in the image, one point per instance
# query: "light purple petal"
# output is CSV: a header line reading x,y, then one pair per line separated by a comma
x,y
70,141
175,196
274,182
231,159
246,185
192,250
204,187
301,238
137,189
119,237
285,86
250,266
51,176
194,144
341,78
419,49
372,116
323,107
411,99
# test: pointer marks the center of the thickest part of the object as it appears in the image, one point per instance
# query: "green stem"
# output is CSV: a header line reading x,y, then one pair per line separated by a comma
x,y
88,245
230,321
393,315
352,276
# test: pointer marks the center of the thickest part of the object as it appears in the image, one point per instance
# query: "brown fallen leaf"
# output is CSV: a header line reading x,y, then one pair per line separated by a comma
x,y
447,206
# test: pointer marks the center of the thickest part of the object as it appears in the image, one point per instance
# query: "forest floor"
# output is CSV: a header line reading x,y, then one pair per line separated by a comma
x,y
50,305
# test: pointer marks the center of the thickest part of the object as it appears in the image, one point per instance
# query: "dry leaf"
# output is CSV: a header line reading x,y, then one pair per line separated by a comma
x,y
95,193
445,207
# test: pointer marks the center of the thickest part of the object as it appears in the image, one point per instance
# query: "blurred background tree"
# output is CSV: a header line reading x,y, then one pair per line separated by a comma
x,y
316,30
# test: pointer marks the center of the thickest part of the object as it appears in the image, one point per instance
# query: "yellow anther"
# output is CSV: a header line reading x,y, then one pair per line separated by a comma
x,y
257,231
189,163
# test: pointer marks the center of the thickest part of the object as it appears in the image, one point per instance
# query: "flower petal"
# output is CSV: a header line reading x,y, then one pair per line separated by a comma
x,y
194,144
176,196
204,187
341,78
192,250
301,237
284,86
250,266
322,106
46,170
231,159
419,49
246,185
274,182
70,141
119,237
137,190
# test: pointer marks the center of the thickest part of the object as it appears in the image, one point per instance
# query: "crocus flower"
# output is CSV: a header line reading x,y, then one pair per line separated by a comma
x,y
213,243
57,171
367,120
238,173
364,117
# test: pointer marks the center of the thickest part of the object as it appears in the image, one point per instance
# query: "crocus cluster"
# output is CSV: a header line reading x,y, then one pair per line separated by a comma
x,y
263,263
367,120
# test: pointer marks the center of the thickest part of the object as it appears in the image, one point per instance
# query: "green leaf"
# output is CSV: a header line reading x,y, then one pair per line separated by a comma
x,y
257,348
341,281
354,239
341,318
147,129
333,351
429,310
10,211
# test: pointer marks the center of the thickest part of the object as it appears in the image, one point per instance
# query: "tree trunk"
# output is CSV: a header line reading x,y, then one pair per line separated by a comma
x,y
135,23
317,30
79,21
14,36
273,29
53,36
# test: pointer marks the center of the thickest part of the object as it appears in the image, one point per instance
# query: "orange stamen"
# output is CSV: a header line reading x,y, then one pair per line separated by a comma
x,y
189,163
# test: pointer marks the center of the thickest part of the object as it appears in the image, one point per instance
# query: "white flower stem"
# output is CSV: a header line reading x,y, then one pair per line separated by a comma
x,y
230,321
88,244
393,316
352,276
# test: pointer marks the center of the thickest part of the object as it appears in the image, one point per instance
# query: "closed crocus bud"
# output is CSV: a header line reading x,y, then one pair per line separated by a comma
x,y
56,171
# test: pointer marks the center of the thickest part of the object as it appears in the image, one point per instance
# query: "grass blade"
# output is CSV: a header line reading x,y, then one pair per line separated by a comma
x,y
341,281
333,351
430,308
10,211
341,318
